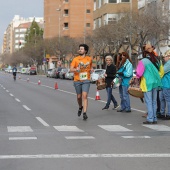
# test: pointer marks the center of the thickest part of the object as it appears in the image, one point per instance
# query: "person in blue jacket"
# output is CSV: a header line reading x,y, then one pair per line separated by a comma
x,y
124,73
165,92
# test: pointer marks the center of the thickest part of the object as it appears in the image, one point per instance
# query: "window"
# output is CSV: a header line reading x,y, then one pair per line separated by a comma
x,y
66,25
66,12
87,24
66,1
112,1
88,11
125,0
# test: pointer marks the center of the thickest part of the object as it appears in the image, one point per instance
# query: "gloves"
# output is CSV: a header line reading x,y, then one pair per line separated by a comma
x,y
120,73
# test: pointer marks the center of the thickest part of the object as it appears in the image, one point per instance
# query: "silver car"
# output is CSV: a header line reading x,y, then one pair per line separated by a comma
x,y
96,74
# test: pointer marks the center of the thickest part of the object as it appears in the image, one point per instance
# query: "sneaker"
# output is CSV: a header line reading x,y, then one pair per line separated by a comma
x,y
79,111
128,111
120,110
160,116
105,108
116,106
166,118
85,116
147,123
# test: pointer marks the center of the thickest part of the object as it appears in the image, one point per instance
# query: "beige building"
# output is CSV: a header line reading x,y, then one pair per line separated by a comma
x,y
73,18
106,11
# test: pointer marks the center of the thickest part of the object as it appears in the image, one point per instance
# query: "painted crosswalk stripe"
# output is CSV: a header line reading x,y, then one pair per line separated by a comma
x,y
65,128
11,94
114,128
134,137
19,129
42,121
17,100
26,107
22,138
158,127
80,137
7,91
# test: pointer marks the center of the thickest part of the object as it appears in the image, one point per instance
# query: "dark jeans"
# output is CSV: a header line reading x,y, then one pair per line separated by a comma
x,y
110,97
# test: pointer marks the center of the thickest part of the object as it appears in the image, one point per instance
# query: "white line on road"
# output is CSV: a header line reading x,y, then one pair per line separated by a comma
x,y
22,138
65,128
133,137
27,108
17,100
56,156
42,121
11,94
7,91
19,129
4,88
158,127
79,137
114,128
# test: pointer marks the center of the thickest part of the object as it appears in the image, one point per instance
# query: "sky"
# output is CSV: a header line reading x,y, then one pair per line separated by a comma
x,y
24,8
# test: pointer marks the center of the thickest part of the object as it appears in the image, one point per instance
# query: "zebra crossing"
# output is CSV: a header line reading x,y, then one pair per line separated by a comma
x,y
75,133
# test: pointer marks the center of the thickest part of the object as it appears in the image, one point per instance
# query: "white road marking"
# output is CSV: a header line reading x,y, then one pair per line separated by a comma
x,y
4,88
65,128
11,94
79,137
27,108
22,138
19,129
17,100
57,156
7,91
42,121
133,137
158,127
114,128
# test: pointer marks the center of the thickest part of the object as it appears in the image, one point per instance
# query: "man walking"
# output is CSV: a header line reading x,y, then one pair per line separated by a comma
x,y
82,67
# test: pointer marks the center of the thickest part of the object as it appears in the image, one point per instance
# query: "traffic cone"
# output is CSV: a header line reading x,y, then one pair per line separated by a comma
x,y
28,79
39,82
19,77
97,95
56,86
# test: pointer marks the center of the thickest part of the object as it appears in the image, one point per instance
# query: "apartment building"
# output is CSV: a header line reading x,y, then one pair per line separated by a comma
x,y
106,11
73,18
14,36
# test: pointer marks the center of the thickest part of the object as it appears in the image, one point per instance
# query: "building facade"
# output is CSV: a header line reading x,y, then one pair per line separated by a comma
x,y
14,36
72,18
106,11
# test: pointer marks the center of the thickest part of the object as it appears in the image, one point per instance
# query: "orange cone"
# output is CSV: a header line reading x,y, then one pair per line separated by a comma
x,y
97,95
28,79
56,86
39,82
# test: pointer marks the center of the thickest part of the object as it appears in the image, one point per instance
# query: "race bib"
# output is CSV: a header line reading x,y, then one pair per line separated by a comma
x,y
83,76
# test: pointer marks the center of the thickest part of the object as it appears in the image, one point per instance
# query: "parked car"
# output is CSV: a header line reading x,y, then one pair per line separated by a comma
x,y
58,72
69,75
96,74
48,72
63,73
33,71
53,73
24,70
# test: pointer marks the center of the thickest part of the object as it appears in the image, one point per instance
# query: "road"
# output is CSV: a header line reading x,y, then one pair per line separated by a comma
x,y
40,130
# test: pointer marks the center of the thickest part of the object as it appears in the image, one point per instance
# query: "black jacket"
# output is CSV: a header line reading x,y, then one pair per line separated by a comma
x,y
111,73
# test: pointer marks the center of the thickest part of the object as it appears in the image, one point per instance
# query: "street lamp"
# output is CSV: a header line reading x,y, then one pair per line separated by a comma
x,y
59,10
